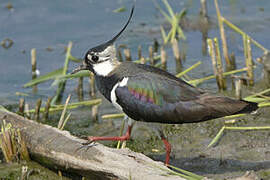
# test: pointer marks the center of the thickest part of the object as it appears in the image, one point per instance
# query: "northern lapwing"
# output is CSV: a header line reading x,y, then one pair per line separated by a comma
x,y
146,93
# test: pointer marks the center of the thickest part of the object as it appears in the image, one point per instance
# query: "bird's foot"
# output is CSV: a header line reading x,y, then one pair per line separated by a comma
x,y
92,139
86,145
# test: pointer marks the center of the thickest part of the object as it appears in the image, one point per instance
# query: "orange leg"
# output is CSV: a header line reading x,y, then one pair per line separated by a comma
x,y
113,138
168,150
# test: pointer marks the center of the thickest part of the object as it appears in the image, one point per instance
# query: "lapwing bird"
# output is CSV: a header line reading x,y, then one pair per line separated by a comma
x,y
149,94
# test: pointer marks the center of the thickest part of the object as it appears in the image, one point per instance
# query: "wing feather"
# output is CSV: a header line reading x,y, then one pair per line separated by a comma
x,y
161,99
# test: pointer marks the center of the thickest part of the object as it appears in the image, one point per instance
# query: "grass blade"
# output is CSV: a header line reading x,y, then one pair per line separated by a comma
x,y
61,86
215,140
65,121
195,176
61,121
69,106
46,77
169,8
163,13
195,82
188,69
113,116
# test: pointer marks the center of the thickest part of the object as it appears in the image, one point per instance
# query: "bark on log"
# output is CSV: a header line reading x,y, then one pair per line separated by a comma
x,y
56,149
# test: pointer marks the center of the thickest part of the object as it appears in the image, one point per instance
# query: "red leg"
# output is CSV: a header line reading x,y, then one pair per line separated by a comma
x,y
168,150
114,138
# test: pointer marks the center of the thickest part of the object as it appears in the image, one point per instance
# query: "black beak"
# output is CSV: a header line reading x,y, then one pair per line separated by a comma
x,y
80,68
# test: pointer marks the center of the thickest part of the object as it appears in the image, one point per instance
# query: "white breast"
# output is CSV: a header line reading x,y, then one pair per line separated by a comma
x,y
113,95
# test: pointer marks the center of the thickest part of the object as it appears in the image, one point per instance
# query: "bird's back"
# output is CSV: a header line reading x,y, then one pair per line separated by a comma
x,y
153,95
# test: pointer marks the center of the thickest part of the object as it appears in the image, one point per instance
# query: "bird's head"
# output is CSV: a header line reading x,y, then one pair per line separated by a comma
x,y
101,60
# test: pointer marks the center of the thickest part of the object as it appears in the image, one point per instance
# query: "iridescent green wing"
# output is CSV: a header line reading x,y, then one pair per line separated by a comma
x,y
156,89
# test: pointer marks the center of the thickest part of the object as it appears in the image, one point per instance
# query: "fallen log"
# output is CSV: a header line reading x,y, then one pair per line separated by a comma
x,y
58,150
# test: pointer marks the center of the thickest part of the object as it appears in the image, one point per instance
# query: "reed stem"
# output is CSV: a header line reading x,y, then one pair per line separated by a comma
x,y
238,30
113,116
95,113
34,67
156,46
238,90
127,54
221,81
61,86
223,37
80,88
151,55
62,118
92,91
139,52
163,55
176,54
21,106
249,62
119,54
188,69
47,109
37,109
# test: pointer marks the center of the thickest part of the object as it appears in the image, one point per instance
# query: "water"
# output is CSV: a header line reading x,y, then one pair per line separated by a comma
x,y
87,23
42,24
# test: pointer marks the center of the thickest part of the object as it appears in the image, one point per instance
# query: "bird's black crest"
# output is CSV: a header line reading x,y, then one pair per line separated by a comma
x,y
102,47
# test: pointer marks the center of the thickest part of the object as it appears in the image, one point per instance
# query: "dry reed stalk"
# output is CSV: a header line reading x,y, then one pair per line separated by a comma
x,y
163,55
95,113
213,57
238,88
233,62
139,52
21,106
204,25
221,80
156,46
12,145
92,89
119,54
61,123
249,63
34,67
47,109
6,142
80,88
176,52
177,56
238,30
127,54
26,110
22,146
223,38
151,55
37,109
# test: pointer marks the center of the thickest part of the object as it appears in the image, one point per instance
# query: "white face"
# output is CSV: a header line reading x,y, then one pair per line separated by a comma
x,y
99,57
102,62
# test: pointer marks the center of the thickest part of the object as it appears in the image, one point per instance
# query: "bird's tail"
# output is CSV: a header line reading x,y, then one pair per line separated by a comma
x,y
250,107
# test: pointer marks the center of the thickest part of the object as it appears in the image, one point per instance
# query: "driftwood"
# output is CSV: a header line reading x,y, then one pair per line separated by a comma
x,y
56,149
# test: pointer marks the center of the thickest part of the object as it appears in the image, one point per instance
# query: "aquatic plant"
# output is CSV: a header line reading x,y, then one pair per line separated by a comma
x,y
174,19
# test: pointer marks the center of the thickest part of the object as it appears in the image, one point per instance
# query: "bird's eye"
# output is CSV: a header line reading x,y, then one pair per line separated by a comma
x,y
94,58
